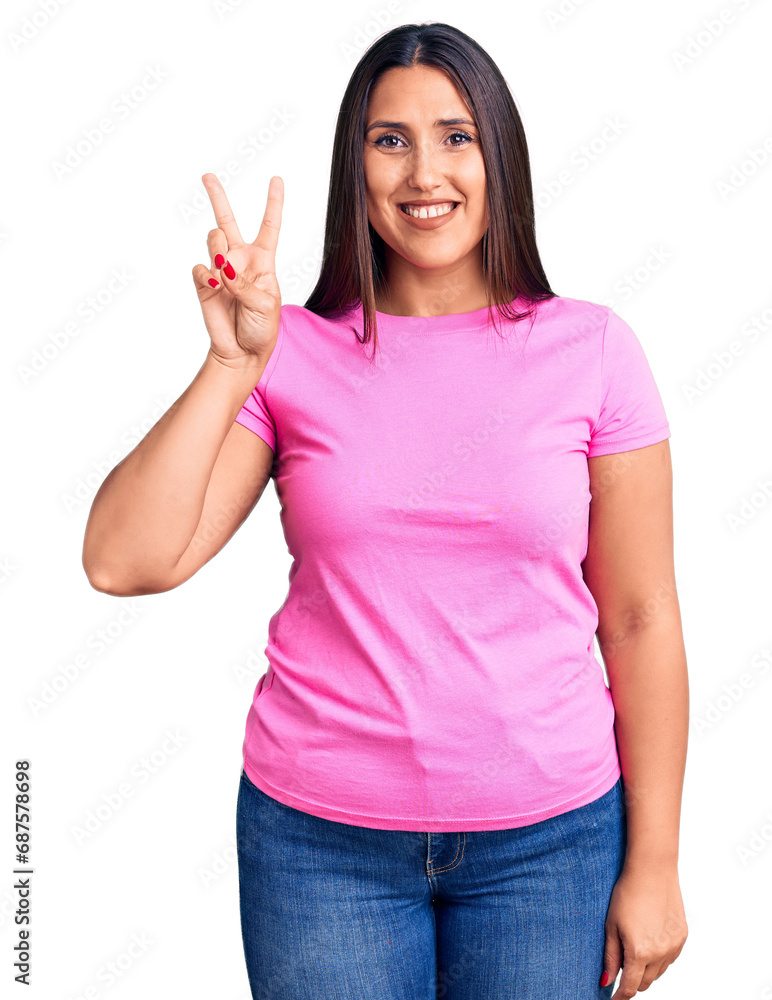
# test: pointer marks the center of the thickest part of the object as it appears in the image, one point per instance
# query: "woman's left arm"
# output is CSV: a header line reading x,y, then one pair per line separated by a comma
x,y
629,569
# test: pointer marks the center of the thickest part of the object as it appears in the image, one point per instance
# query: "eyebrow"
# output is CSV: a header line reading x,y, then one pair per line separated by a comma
x,y
439,123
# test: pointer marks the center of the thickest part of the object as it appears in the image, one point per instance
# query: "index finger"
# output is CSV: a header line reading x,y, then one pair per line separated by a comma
x,y
222,209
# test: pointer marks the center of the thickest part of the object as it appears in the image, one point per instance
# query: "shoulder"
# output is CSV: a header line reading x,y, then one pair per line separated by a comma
x,y
576,313
301,324
305,337
297,315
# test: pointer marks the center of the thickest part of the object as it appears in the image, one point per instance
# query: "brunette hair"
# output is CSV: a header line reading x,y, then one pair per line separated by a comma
x,y
353,259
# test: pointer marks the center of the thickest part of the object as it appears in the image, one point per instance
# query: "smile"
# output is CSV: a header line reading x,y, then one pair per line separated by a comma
x,y
428,213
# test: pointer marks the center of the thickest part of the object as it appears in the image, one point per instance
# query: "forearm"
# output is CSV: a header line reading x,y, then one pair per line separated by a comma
x,y
149,506
649,686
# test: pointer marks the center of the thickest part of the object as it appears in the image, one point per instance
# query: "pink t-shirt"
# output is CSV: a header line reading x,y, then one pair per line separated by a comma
x,y
432,666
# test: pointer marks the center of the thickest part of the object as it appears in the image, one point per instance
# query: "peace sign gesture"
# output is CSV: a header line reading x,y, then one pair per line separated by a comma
x,y
238,292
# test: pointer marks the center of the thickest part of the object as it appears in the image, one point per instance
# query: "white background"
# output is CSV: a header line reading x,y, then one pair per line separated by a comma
x,y
692,102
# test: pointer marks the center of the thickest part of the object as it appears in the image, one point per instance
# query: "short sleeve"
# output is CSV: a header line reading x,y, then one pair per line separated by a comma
x,y
631,413
256,416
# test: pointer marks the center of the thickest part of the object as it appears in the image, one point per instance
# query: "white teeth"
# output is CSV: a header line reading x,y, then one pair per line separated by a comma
x,y
428,213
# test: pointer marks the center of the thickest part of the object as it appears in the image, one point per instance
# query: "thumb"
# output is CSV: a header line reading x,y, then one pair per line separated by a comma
x,y
237,284
612,957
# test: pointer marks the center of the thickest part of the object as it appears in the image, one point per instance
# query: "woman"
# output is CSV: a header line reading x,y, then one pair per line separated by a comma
x,y
440,795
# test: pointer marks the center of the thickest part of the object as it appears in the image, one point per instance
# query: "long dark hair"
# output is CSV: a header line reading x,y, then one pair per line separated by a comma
x,y
353,258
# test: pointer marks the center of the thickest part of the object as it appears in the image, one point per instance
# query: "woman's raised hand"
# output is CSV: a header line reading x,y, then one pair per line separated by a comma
x,y
242,312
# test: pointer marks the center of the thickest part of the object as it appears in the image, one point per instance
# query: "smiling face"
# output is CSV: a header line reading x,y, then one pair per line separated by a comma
x,y
422,146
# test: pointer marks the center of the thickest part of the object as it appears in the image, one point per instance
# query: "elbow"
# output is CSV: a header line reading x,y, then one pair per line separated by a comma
x,y
102,580
105,576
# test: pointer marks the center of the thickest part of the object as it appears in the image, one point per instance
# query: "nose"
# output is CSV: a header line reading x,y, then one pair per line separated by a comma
x,y
424,171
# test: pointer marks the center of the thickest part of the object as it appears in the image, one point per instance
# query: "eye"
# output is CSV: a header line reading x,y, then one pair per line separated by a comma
x,y
380,141
463,135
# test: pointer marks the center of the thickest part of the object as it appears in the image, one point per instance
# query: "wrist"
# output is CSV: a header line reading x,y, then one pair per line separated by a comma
x,y
248,366
659,861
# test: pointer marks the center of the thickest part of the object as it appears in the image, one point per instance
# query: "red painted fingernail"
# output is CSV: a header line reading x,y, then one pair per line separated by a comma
x,y
605,979
219,260
228,269
213,283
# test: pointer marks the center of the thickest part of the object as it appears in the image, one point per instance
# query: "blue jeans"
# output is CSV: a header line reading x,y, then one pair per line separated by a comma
x,y
331,911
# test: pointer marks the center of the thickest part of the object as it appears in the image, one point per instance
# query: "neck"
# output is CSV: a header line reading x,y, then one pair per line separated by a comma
x,y
412,291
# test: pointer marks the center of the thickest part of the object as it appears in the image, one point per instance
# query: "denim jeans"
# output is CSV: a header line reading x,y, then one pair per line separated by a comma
x,y
331,911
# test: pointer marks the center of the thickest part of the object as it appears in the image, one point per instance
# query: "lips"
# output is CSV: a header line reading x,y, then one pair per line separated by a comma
x,y
428,210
